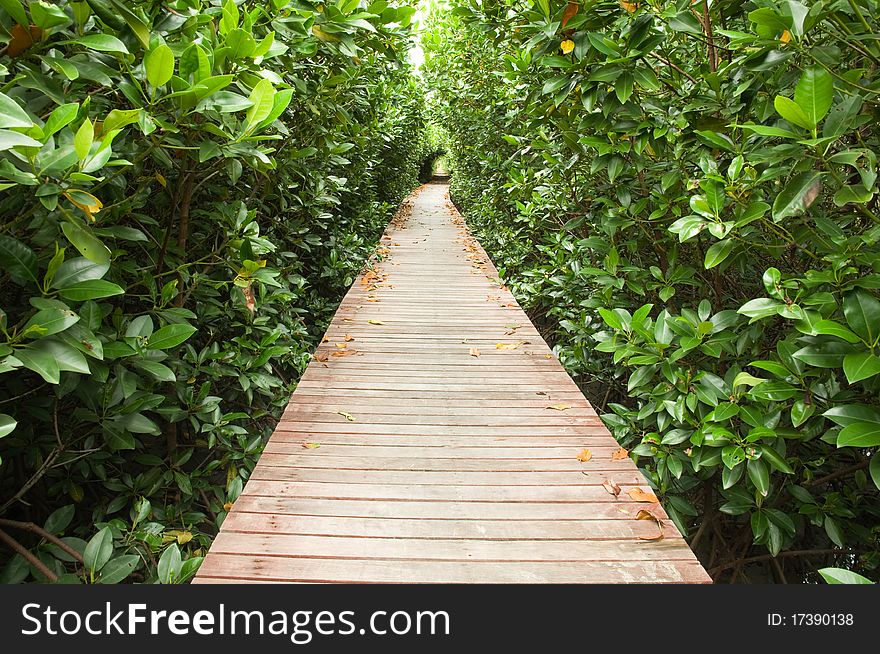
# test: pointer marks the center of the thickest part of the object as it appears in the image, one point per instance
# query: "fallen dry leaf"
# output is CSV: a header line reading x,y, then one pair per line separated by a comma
x,y
311,446
346,415
342,346
349,338
375,322
321,357
638,495
585,456
611,486
343,353
474,352
558,407
619,454
326,339
647,515
507,346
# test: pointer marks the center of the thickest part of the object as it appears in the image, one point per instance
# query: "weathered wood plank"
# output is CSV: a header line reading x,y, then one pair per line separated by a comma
x,y
420,445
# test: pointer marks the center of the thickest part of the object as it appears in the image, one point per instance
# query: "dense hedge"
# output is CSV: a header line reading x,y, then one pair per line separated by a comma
x,y
187,188
684,195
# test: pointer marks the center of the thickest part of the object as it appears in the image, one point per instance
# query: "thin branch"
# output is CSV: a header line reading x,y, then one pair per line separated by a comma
x,y
36,529
28,556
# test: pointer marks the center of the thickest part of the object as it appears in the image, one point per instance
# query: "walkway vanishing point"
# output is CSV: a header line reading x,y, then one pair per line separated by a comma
x,y
434,437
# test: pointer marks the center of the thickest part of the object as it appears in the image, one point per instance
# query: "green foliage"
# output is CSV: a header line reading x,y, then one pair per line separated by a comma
x,y
187,189
693,199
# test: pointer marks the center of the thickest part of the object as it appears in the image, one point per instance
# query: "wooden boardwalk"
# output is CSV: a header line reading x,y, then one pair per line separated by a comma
x,y
434,437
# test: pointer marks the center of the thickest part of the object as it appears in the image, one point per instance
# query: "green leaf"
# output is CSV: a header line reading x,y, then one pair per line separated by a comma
x,y
797,195
12,115
51,321
159,65
7,424
717,253
78,269
59,519
15,8
831,328
140,29
98,551
90,290
42,363
848,414
157,370
792,112
859,434
860,365
874,469
813,94
759,475
774,459
82,142
852,194
118,569
101,43
83,240
262,97
169,565
18,259
841,576
170,336
833,531
862,313
760,308
10,140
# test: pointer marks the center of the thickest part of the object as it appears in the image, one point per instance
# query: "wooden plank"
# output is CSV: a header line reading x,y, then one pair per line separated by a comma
x,y
516,530
424,510
233,567
429,464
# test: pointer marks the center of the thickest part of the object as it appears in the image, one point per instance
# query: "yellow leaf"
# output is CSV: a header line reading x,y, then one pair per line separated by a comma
x,y
349,338
346,415
86,202
558,407
638,495
585,456
375,322
567,46
184,537
311,446
631,7
786,36
227,506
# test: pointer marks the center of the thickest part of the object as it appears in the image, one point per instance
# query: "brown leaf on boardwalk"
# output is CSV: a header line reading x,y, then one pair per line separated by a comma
x,y
611,486
349,338
638,495
375,322
311,446
326,339
585,456
343,353
619,454
474,352
346,415
321,357
342,346
647,515
558,407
